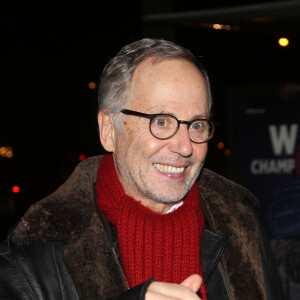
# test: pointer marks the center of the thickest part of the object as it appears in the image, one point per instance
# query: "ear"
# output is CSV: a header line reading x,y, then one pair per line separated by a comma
x,y
106,131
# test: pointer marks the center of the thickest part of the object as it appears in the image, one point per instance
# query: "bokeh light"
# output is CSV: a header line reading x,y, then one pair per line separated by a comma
x,y
92,85
283,42
16,189
220,145
6,152
82,157
227,152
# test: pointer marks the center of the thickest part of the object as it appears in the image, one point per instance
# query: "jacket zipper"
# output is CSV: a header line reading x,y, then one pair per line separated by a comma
x,y
120,268
105,224
225,280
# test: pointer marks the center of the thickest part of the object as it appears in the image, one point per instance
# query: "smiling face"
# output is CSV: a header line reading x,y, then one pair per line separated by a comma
x,y
158,172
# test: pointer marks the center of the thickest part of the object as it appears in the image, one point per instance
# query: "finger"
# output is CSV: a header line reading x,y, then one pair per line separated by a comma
x,y
172,290
193,282
156,296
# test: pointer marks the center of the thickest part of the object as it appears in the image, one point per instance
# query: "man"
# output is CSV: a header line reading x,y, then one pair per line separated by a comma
x,y
144,221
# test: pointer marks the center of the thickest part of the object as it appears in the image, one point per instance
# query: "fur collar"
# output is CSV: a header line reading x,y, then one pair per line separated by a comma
x,y
70,214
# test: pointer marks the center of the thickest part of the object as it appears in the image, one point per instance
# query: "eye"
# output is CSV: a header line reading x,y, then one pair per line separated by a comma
x,y
198,126
161,122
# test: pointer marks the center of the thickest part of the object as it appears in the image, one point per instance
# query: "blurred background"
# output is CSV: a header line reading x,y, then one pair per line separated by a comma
x,y
51,60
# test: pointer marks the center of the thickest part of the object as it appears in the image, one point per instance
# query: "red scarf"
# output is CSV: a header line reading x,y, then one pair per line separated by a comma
x,y
161,246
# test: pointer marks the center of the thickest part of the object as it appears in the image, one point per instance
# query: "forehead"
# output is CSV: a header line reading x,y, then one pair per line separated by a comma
x,y
173,85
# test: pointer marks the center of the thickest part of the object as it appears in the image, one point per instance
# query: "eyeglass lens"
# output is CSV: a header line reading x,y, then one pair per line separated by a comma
x,y
165,126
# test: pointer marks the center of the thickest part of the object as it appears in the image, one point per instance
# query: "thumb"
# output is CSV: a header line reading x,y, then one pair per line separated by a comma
x,y
193,282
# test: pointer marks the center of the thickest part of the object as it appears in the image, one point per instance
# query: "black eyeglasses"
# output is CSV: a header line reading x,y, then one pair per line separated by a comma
x,y
164,126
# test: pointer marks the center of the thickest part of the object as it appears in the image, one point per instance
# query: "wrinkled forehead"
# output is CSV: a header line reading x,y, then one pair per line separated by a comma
x,y
168,82
155,65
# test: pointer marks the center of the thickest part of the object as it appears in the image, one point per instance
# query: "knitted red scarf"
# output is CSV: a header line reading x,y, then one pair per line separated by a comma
x,y
161,246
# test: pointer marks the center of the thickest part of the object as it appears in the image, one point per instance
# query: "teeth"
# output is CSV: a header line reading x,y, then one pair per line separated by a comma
x,y
168,169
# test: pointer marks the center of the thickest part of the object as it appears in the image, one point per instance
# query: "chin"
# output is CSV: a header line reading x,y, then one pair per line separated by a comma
x,y
166,198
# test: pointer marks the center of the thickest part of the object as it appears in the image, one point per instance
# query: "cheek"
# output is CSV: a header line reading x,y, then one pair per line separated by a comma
x,y
128,131
137,141
200,152
153,144
145,146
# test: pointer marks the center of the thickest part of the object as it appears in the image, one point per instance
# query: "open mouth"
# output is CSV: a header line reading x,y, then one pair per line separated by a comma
x,y
168,169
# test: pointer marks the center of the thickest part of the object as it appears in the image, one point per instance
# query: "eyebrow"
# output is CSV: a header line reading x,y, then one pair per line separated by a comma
x,y
200,116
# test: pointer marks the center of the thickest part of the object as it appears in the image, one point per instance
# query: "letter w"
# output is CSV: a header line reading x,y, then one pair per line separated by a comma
x,y
283,138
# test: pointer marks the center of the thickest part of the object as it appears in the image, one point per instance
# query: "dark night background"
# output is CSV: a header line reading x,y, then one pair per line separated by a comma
x,y
49,55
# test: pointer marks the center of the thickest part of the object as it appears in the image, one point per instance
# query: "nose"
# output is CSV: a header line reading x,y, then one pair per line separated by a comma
x,y
181,143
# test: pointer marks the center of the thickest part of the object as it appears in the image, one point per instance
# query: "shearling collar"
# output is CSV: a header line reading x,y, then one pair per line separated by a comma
x,y
70,214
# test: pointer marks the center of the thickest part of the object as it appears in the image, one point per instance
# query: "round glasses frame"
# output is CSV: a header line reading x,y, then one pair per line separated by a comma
x,y
151,117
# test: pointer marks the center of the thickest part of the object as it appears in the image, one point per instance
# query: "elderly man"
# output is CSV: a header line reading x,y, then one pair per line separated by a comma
x,y
145,220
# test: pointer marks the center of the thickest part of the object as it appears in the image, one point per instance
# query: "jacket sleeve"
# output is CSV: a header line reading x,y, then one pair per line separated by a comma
x,y
30,272
20,281
13,283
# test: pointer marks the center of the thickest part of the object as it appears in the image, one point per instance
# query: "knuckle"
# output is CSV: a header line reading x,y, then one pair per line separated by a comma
x,y
187,292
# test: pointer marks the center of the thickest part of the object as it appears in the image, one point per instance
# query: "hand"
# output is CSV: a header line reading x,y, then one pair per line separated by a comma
x,y
186,290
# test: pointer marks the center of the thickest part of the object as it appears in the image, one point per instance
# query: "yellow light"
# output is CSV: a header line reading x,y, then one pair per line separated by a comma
x,y
283,42
9,154
218,26
6,152
3,151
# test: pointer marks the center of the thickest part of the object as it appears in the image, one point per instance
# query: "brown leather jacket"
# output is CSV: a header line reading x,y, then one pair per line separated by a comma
x,y
63,248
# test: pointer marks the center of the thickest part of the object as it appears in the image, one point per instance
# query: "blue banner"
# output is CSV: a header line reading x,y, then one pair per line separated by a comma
x,y
266,132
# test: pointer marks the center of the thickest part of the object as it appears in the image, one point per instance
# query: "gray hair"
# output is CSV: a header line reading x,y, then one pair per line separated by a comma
x,y
115,81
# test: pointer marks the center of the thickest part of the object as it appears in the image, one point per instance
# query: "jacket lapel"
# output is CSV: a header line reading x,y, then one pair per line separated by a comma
x,y
212,246
93,264
222,202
